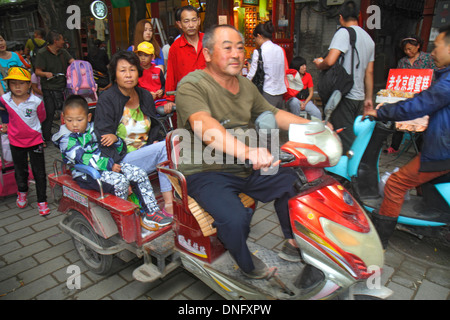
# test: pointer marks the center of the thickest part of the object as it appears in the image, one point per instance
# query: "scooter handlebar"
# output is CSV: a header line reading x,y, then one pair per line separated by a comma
x,y
161,112
285,158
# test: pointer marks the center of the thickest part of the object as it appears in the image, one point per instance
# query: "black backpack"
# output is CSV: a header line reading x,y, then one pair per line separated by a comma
x,y
35,51
336,77
258,79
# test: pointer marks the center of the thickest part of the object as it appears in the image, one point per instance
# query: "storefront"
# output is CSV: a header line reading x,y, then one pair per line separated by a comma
x,y
247,14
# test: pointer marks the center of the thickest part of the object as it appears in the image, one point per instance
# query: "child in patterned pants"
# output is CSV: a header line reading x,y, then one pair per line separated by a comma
x,y
79,145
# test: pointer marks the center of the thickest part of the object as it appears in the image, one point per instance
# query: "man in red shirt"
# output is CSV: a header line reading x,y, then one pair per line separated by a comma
x,y
185,54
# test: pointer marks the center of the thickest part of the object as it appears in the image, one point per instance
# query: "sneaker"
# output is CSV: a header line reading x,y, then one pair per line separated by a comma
x,y
390,150
153,221
290,253
167,214
43,208
21,200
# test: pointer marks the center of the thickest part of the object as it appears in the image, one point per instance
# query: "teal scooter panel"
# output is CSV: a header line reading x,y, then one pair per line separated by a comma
x,y
444,190
346,167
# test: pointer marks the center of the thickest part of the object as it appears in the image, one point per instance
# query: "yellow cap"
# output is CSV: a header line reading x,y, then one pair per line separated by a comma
x,y
18,73
146,47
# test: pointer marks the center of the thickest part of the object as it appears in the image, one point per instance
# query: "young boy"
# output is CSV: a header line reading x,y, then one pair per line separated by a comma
x,y
152,78
79,145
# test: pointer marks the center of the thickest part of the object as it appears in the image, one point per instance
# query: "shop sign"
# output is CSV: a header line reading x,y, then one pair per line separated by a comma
x,y
250,2
99,10
409,80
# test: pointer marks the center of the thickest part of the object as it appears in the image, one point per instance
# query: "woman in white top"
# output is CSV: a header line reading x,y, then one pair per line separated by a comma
x,y
274,64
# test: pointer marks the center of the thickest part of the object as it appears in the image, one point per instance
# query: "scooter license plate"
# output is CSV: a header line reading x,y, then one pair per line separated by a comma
x,y
76,196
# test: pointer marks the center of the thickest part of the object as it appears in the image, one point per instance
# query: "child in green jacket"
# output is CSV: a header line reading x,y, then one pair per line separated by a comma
x,y
79,145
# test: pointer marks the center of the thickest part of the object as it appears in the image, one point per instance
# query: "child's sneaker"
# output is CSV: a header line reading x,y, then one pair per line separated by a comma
x,y
43,208
167,214
21,199
153,221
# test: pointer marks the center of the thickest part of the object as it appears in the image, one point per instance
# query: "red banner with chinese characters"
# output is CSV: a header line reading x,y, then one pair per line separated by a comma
x,y
409,80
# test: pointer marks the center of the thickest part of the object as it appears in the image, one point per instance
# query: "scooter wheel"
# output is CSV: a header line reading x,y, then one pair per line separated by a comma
x,y
97,263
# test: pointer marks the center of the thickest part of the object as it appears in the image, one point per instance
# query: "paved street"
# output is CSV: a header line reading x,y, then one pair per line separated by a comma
x,y
35,255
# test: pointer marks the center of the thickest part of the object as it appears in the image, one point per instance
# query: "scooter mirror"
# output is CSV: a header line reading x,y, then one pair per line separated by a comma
x,y
332,103
266,121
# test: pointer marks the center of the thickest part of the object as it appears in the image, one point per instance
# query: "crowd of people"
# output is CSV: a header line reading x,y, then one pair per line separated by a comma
x,y
124,140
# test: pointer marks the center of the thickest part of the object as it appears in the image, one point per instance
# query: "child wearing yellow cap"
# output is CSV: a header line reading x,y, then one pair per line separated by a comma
x,y
152,78
24,114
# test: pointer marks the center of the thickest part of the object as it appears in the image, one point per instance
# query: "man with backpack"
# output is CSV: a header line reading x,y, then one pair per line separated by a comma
x,y
359,66
51,62
34,44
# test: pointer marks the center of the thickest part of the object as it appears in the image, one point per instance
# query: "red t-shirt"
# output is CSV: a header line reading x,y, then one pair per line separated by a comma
x,y
151,79
307,81
183,58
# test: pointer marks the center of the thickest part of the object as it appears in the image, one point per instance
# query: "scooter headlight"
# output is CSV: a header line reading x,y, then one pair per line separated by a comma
x,y
341,235
366,246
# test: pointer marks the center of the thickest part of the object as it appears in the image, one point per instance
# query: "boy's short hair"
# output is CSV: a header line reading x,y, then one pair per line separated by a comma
x,y
76,101
349,11
446,31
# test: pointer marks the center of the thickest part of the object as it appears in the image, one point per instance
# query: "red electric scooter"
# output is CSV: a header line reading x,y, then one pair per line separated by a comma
x,y
342,253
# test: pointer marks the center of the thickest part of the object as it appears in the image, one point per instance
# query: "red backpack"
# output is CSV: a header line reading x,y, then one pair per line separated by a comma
x,y
294,84
80,79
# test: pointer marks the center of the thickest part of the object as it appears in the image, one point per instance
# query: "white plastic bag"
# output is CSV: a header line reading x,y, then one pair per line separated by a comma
x,y
382,183
6,150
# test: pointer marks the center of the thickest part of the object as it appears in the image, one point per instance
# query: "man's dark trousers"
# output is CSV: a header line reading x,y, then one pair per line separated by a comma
x,y
53,100
217,193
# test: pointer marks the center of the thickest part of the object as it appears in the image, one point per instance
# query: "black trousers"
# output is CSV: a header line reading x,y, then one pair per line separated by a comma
x,y
217,193
37,161
344,117
53,100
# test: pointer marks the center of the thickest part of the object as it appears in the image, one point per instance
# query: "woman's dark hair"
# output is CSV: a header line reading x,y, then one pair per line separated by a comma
x,y
297,62
172,34
265,30
413,40
349,11
129,56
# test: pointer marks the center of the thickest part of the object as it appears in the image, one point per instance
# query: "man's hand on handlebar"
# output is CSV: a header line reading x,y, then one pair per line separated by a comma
x,y
261,158
168,107
369,113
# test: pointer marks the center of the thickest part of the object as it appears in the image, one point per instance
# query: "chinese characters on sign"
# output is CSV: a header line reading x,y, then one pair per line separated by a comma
x,y
409,80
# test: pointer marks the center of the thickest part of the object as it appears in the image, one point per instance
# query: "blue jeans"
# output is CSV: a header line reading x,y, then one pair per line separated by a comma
x,y
310,108
147,158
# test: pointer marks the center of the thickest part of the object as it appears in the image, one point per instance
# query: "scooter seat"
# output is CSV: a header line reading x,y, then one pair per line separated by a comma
x,y
204,219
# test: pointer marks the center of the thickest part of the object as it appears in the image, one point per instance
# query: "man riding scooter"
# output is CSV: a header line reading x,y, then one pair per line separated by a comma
x,y
211,101
434,159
